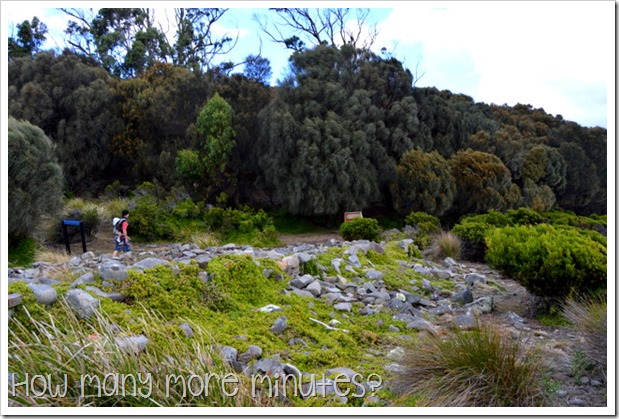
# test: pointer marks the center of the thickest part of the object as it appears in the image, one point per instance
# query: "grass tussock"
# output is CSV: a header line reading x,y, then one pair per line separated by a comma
x,y
80,363
588,315
479,368
52,256
443,245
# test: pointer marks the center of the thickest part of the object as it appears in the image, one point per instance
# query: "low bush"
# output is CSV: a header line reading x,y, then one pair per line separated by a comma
x,y
425,227
478,368
360,229
548,261
22,251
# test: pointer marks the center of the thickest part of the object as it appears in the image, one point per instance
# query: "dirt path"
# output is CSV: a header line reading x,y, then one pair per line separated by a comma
x,y
309,238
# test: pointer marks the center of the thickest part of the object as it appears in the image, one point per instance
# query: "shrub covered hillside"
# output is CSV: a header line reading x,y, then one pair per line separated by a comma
x,y
353,323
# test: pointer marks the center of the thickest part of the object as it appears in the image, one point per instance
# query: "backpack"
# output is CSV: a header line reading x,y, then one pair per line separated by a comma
x,y
117,223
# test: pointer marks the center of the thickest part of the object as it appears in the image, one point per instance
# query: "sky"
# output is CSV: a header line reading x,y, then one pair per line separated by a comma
x,y
559,56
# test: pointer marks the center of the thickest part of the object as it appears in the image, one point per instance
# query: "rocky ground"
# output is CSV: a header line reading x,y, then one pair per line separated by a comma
x,y
511,306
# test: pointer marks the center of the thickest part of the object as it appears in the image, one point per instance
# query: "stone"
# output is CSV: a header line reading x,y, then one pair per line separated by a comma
x,y
82,303
14,299
349,373
302,293
44,294
396,354
228,353
474,278
335,264
268,367
343,307
483,305
374,275
269,308
132,343
87,278
279,325
301,282
463,297
114,296
111,270
186,329
149,263
439,273
314,288
466,321
422,324
253,352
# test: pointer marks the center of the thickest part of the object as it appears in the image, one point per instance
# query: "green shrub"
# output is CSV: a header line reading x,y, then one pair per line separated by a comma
x,y
426,226
360,229
472,230
186,209
472,368
22,251
418,217
148,220
35,179
549,262
568,218
525,216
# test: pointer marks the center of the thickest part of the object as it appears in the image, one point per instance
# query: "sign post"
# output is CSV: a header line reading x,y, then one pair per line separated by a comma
x,y
76,223
349,216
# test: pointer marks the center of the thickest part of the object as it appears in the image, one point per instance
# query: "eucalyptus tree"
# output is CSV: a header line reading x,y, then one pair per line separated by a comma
x,y
302,28
30,37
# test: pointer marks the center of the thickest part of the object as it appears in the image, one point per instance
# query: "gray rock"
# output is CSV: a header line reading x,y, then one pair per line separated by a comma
x,y
314,288
279,325
449,262
426,285
186,329
349,373
149,263
396,354
14,299
111,270
114,296
354,261
87,256
474,278
269,308
483,305
577,402
44,294
343,307
302,293
404,317
393,328
466,321
396,304
87,278
301,282
132,343
81,302
268,367
374,275
228,353
48,281
439,273
514,318
304,257
335,264
422,324
290,369
297,341
253,352
463,297
422,269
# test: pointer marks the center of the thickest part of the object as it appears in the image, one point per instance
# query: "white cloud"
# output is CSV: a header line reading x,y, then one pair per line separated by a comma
x,y
527,52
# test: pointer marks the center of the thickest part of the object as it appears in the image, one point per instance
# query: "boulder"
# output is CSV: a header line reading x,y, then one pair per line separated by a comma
x,y
279,325
81,302
44,294
111,270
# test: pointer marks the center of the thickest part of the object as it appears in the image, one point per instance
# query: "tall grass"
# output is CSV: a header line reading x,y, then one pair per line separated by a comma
x,y
475,368
443,245
77,351
588,315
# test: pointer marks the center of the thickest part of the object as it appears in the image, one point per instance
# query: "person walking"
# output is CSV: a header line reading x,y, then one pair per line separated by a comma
x,y
121,238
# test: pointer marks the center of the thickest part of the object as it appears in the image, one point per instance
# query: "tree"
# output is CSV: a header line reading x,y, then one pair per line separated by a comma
x,y
483,183
35,178
210,161
258,68
331,139
75,105
582,182
196,41
320,27
30,38
423,183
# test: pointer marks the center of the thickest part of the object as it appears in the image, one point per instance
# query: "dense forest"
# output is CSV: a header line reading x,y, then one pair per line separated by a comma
x,y
345,129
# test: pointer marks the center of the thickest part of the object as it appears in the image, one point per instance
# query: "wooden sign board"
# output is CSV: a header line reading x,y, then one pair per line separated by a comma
x,y
349,216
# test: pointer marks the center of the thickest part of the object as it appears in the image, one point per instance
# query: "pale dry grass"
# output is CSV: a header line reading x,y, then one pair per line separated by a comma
x,y
443,245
